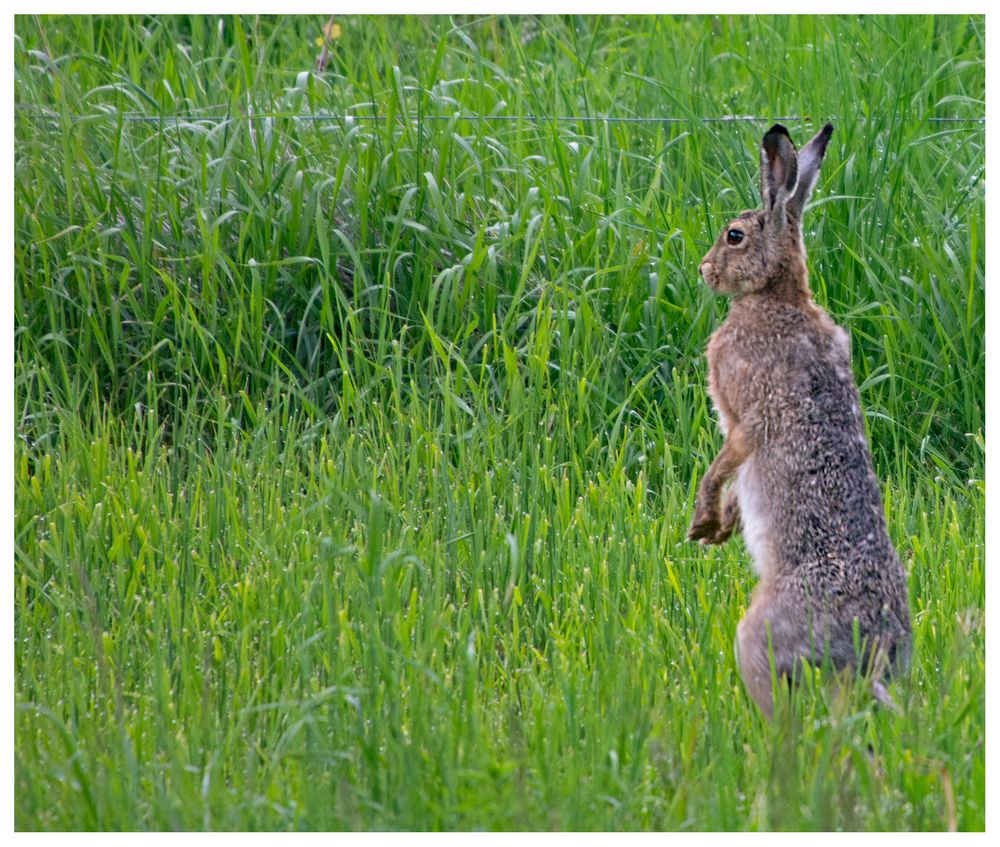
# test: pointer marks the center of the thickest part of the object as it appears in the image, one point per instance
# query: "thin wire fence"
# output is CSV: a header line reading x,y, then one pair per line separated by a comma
x,y
136,117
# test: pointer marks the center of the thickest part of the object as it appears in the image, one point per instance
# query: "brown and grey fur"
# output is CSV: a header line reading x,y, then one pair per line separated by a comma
x,y
803,490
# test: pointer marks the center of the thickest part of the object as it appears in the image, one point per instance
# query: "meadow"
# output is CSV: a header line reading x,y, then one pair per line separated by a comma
x,y
359,414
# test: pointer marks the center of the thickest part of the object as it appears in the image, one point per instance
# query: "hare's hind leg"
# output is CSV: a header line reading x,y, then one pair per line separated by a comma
x,y
771,635
872,678
753,658
777,634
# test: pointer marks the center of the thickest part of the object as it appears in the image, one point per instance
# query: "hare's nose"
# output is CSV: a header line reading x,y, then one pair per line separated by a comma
x,y
705,268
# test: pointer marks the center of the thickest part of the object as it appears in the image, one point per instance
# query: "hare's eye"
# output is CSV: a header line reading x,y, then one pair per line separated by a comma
x,y
734,236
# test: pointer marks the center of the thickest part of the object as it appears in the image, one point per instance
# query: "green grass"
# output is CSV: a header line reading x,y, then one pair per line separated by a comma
x,y
354,459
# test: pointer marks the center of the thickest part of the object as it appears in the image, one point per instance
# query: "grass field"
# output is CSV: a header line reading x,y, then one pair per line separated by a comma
x,y
354,457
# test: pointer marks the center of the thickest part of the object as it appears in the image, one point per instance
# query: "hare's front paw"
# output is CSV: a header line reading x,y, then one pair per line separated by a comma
x,y
709,528
704,527
730,521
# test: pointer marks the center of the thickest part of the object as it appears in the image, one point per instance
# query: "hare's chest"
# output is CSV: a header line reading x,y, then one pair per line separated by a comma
x,y
723,412
721,416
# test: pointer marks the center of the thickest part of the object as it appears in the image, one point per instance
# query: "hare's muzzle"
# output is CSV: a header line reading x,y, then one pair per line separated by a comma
x,y
706,271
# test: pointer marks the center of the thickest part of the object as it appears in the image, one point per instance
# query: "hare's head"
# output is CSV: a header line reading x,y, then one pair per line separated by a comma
x,y
761,246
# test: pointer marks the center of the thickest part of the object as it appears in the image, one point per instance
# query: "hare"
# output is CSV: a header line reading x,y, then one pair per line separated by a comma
x,y
803,490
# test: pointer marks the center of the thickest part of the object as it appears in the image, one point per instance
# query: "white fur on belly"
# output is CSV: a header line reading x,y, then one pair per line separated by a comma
x,y
754,517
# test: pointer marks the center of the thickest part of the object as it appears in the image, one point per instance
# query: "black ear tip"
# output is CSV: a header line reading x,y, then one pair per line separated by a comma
x,y
828,130
777,129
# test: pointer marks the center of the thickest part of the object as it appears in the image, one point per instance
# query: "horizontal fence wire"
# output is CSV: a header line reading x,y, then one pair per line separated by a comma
x,y
135,117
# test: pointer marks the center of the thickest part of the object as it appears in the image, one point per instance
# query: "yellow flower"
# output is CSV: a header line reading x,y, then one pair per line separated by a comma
x,y
331,31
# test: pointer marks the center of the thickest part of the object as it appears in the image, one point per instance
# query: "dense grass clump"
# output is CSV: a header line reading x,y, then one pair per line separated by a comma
x,y
359,413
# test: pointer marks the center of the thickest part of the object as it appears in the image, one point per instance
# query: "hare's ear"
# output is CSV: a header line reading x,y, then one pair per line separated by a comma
x,y
810,158
779,171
